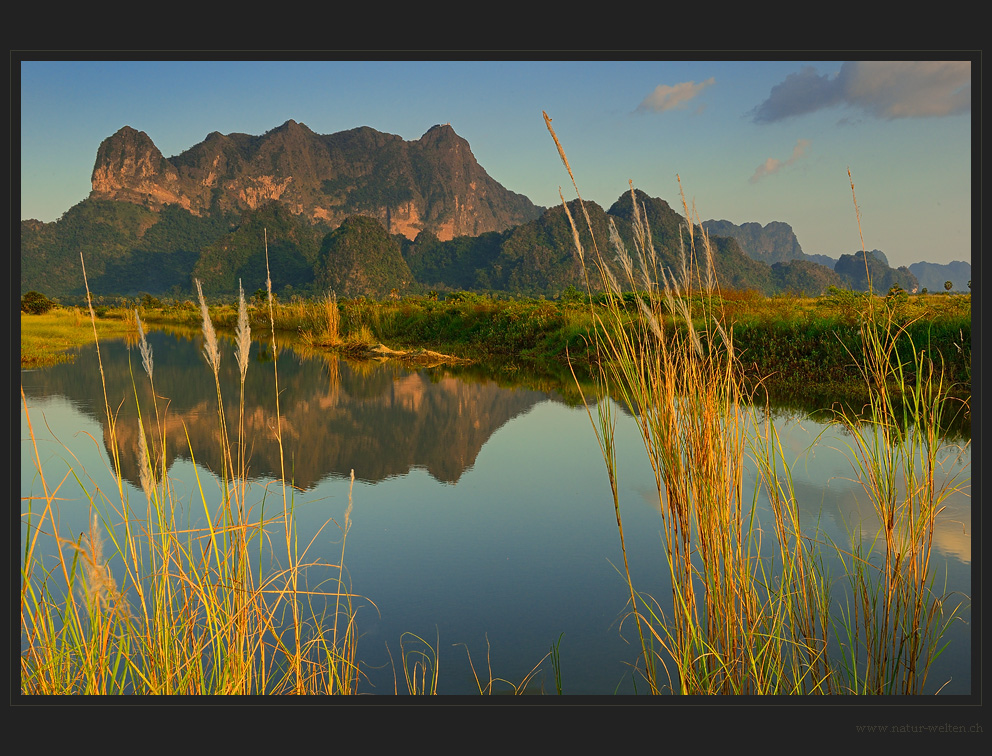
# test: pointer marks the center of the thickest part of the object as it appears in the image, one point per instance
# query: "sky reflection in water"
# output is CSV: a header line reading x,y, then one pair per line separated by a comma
x,y
482,517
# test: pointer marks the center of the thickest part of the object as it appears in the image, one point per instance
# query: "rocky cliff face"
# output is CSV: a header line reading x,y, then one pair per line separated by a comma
x,y
433,183
130,168
771,243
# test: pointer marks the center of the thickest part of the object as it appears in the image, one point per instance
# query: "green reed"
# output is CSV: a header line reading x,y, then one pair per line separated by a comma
x,y
895,618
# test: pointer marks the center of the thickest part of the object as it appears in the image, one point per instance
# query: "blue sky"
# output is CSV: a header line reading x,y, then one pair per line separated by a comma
x,y
751,140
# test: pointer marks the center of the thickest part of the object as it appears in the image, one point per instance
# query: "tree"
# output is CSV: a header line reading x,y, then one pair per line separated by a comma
x,y
36,303
948,285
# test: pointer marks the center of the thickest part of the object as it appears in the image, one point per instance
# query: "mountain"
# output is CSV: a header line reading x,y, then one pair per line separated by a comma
x,y
771,243
152,223
793,270
361,212
433,183
852,269
540,258
933,275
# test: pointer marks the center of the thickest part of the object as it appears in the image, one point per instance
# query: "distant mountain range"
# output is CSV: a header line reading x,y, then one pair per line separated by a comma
x,y
777,243
363,212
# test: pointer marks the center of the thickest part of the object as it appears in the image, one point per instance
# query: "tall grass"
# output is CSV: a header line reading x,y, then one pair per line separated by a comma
x,y
194,609
896,617
747,618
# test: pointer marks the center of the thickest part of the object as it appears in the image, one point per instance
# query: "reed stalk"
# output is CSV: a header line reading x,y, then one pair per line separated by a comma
x,y
145,602
731,629
895,625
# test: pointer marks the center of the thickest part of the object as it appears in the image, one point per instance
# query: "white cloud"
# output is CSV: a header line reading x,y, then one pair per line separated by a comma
x,y
885,89
665,97
774,165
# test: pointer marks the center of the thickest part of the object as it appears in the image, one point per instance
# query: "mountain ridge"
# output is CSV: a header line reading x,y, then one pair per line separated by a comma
x,y
364,212
324,178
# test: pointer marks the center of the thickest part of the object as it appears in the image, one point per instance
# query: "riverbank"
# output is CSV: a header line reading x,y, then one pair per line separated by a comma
x,y
802,349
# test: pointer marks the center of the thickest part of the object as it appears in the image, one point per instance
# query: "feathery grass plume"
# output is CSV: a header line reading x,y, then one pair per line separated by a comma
x,y
211,352
144,347
99,584
564,160
649,316
242,335
242,338
643,244
210,349
621,254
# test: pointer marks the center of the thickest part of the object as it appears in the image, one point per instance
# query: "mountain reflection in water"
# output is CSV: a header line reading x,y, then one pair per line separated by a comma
x,y
381,420
461,533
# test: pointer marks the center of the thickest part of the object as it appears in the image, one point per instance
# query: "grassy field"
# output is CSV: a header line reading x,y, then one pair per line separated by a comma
x,y
50,338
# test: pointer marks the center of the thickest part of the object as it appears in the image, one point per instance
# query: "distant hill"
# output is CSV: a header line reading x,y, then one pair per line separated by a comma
x,y
933,275
853,269
539,257
776,244
771,243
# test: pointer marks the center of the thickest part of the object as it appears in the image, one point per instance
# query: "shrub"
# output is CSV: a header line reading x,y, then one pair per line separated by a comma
x,y
36,303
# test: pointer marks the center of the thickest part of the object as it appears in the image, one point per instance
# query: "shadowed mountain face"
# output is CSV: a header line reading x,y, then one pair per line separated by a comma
x,y
771,243
377,419
433,183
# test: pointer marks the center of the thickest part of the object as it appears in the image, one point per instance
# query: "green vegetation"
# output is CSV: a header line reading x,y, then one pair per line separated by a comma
x,y
128,247
132,249
804,351
36,303
293,249
50,338
359,256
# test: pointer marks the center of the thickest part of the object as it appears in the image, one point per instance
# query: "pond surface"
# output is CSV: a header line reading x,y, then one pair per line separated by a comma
x,y
482,517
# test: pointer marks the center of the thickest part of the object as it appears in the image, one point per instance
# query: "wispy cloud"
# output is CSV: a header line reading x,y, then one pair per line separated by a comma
x,y
774,165
670,97
884,89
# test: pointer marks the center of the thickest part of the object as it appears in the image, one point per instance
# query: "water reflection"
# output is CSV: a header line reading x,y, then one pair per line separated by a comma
x,y
381,420
482,512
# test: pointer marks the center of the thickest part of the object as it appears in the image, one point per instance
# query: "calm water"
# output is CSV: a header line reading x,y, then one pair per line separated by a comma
x,y
481,513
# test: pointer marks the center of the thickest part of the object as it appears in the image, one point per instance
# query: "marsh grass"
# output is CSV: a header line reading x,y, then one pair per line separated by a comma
x,y
896,617
746,617
50,339
420,662
193,609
